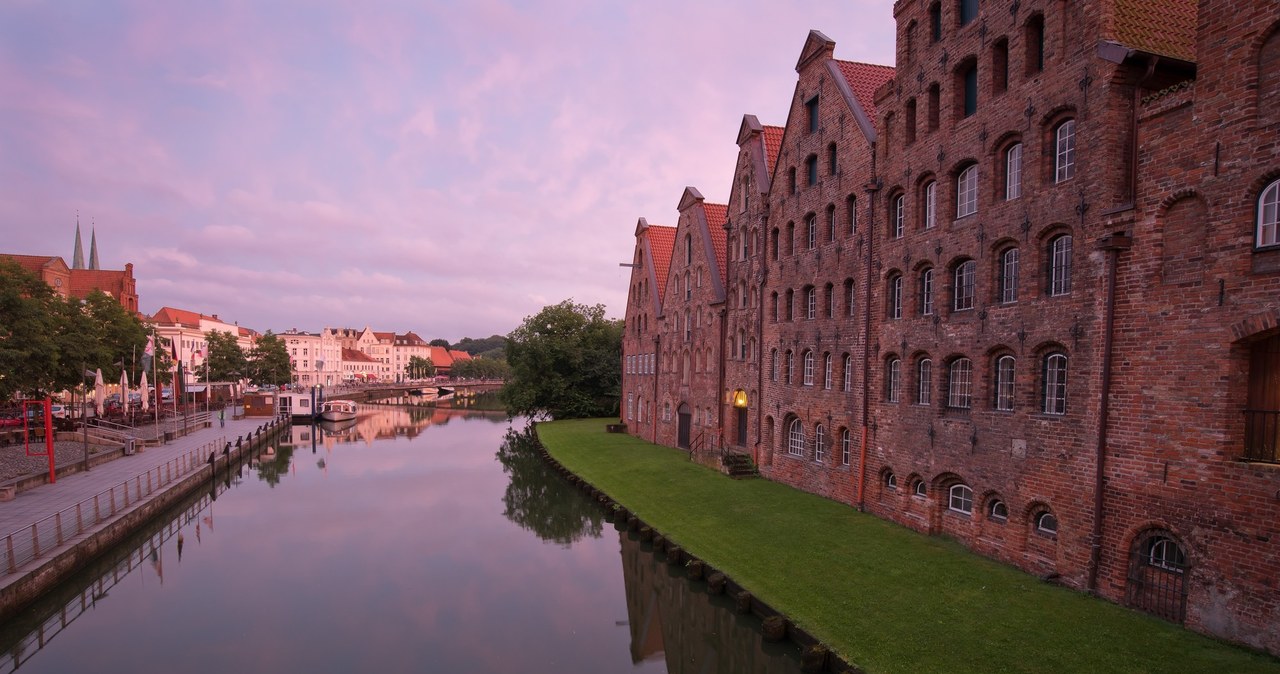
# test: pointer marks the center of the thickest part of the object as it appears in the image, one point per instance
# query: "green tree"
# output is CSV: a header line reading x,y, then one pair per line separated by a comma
x,y
227,361
439,342
494,346
121,336
481,368
29,325
420,368
269,361
565,363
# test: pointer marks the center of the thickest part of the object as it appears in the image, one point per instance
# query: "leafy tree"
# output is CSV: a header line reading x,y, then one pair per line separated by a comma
x,y
121,335
565,363
226,360
269,361
420,368
28,332
481,368
490,347
439,342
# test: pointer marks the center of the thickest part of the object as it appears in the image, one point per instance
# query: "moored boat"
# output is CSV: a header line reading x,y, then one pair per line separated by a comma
x,y
337,410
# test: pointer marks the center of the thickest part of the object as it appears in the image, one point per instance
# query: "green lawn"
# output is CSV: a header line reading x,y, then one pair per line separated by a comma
x,y
882,596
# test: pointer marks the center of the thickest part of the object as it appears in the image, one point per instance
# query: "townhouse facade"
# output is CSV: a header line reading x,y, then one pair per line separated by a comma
x,y
186,334
1021,290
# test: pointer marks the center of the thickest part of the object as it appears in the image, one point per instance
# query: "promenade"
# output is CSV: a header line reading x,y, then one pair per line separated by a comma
x,y
106,494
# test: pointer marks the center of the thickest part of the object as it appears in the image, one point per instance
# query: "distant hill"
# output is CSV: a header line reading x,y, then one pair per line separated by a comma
x,y
485,347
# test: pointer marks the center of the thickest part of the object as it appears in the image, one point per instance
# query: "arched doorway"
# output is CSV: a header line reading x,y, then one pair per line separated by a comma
x,y
685,418
1157,576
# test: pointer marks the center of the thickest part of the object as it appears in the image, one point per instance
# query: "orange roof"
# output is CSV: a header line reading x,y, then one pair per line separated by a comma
x,y
84,281
864,79
459,355
1163,27
357,356
440,357
662,242
171,316
717,215
410,339
32,263
772,146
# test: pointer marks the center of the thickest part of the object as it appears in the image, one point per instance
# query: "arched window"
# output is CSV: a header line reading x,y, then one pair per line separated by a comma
x,y
846,446
688,254
1008,276
773,299
965,285
826,371
924,382
820,443
811,231
894,299
960,384
810,303
848,373
791,305
742,344
898,221
795,438
918,488
1157,576
967,192
1046,523
926,292
930,204
890,480
831,223
808,368
1269,216
1055,384
892,379
960,499
1004,389
997,511
773,243
1064,158
1060,265
1013,171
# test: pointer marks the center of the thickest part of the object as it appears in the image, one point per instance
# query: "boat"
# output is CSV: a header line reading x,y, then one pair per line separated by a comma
x,y
337,410
296,405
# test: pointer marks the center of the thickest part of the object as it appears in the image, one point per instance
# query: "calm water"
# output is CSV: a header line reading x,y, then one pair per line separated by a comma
x,y
415,540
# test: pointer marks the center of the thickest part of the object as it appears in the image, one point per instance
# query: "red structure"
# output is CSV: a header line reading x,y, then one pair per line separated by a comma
x,y
1020,290
44,414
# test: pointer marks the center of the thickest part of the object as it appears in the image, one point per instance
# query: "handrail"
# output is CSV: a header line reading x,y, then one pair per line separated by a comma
x,y
30,543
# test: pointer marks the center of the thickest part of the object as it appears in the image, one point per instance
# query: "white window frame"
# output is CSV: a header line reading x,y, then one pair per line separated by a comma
x,y
1047,522
931,204
1006,369
811,229
960,384
808,368
965,286
919,489
846,447
1055,384
998,511
1064,162
795,438
1013,172
960,499
899,216
811,303
924,382
848,373
926,292
1268,229
826,369
1060,265
791,366
891,481
1009,276
893,379
967,192
820,443
895,296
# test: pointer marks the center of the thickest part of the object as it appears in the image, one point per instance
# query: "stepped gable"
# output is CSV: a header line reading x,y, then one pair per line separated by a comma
x,y
1161,27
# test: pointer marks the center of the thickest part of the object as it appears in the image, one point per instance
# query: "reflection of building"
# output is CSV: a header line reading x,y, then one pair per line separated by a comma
x,y
694,632
1019,292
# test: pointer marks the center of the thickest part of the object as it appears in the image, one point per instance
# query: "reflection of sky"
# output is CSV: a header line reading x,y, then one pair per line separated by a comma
x,y
396,559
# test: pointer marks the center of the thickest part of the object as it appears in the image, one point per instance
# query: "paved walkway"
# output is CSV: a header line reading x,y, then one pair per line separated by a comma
x,y
36,504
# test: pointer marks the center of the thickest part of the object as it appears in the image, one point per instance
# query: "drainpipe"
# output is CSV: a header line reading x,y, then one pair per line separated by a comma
x,y
872,188
1113,245
657,373
762,249
724,323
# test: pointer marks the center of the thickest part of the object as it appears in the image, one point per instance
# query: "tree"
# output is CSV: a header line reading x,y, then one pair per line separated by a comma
x,y
494,346
28,329
226,360
480,368
269,361
439,342
565,363
420,368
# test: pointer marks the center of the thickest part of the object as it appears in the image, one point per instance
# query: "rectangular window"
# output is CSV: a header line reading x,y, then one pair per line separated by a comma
x,y
1000,67
931,205
1065,157
811,304
811,170
926,292
1009,276
910,123
964,288
924,383
960,388
826,372
935,22
971,91
811,108
1013,172
967,192
893,374
968,11
1004,383
848,374
899,216
895,297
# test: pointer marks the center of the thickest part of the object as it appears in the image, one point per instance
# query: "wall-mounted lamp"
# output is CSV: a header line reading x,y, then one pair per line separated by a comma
x,y
740,398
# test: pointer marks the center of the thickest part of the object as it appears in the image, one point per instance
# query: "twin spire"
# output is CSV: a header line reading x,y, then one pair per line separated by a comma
x,y
77,258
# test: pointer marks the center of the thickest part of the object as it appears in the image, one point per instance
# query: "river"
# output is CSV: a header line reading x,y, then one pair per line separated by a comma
x,y
417,540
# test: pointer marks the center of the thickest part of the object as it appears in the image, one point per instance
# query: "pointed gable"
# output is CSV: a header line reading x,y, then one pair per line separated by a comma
x,y
817,48
770,140
711,236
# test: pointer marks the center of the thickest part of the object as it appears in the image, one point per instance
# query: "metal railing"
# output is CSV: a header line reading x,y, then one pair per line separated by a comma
x,y
1262,435
32,542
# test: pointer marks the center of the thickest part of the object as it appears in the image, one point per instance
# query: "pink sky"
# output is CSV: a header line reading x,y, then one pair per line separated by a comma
x,y
442,167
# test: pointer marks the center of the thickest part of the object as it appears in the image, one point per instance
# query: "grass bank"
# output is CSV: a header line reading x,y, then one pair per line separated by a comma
x,y
882,596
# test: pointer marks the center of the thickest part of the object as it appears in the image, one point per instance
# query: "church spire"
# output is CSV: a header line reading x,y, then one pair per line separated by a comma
x,y
77,258
93,248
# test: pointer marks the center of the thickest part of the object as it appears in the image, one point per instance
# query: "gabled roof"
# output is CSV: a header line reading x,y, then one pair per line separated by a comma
x,y
459,355
171,316
662,243
440,357
410,339
111,281
772,146
862,80
1162,27
357,356
35,263
717,215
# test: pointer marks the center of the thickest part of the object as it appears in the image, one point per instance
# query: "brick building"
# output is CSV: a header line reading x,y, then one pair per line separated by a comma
x,y
642,340
1036,266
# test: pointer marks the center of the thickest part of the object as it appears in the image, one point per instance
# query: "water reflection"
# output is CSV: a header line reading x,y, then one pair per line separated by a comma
x,y
541,501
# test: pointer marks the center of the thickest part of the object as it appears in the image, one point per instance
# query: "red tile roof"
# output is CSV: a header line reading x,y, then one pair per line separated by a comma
x,y
357,356
662,242
1164,27
32,263
440,357
864,79
84,281
459,355
717,215
772,146
171,316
